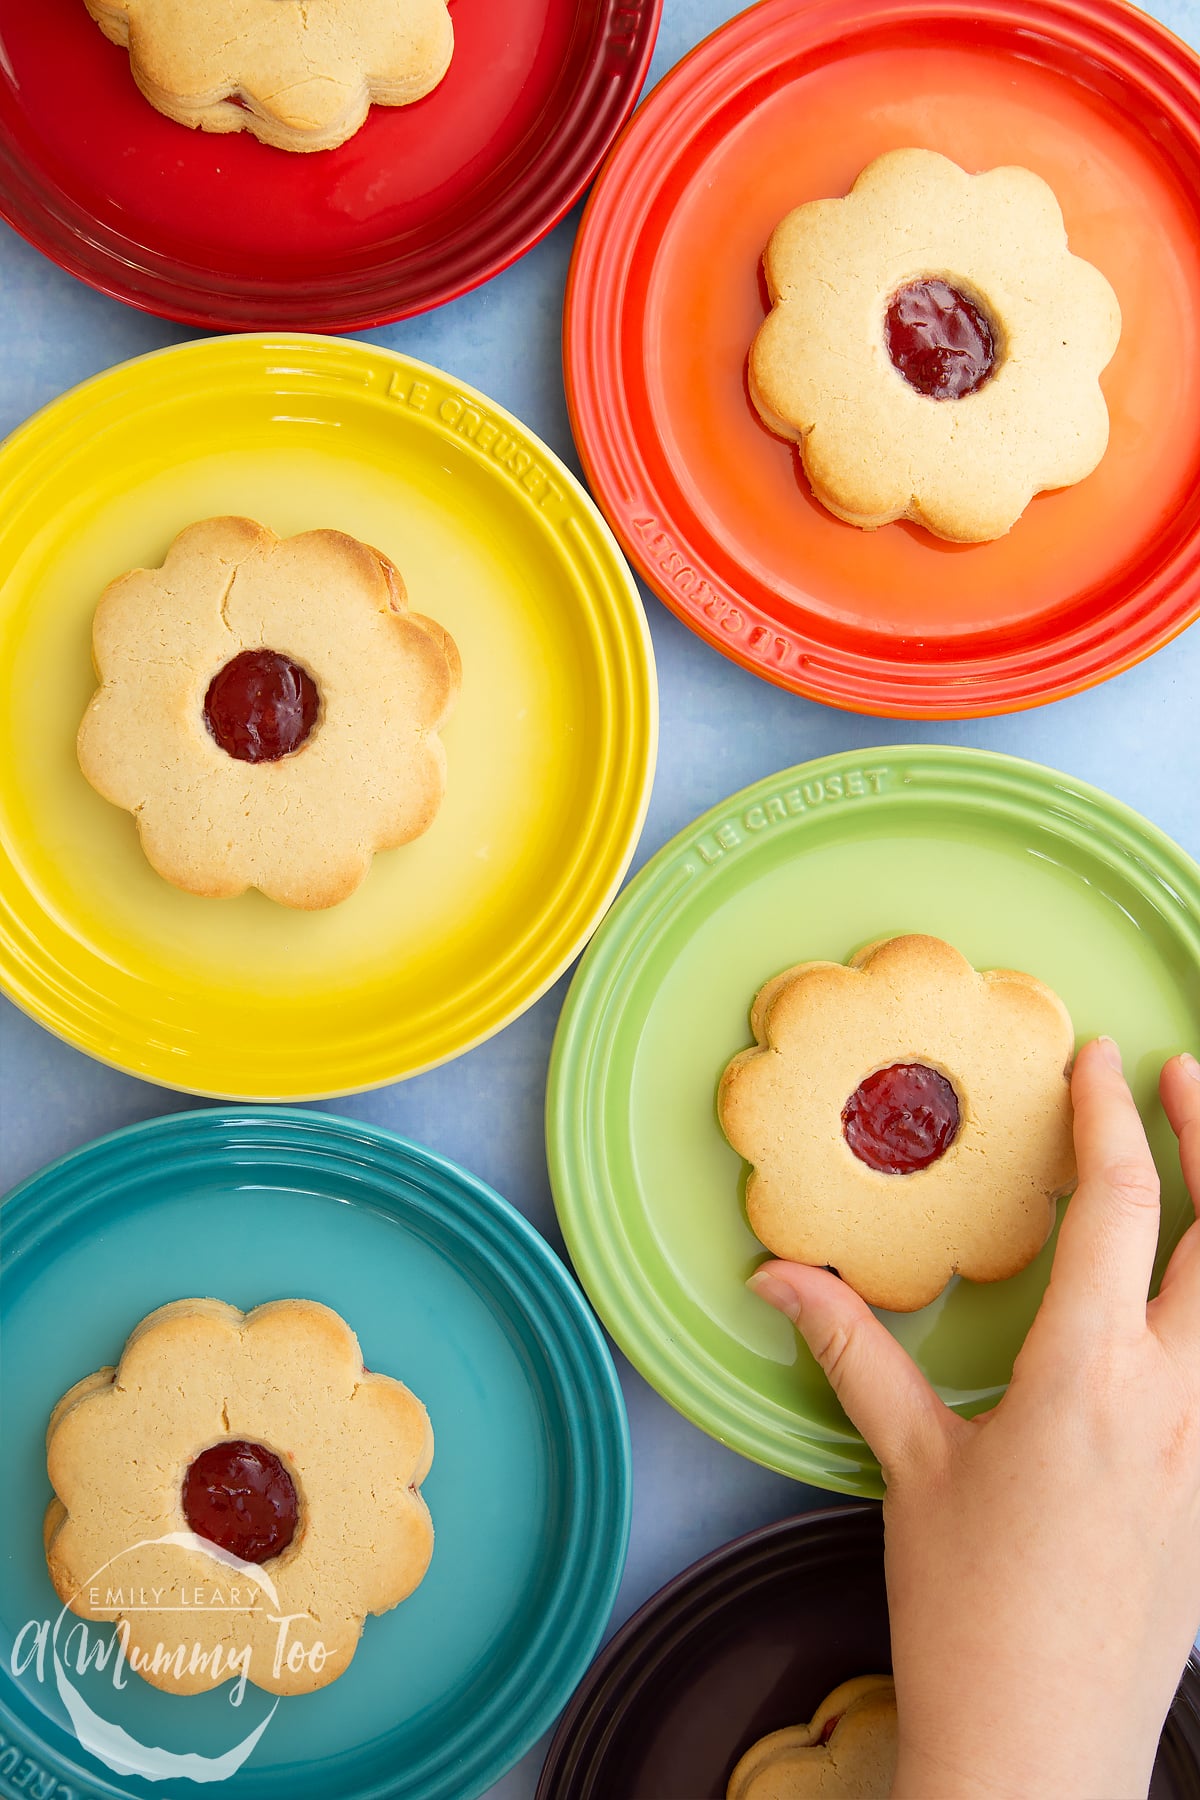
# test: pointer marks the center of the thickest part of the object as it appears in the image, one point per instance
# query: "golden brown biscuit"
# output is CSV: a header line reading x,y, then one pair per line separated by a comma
x,y
846,1752
982,1130
1021,317
278,1396
298,74
178,652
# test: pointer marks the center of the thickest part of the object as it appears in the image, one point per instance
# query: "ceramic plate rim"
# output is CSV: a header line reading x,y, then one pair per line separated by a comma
x,y
856,1520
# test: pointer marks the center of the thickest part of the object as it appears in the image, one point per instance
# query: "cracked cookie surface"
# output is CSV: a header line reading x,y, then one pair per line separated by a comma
x,y
369,774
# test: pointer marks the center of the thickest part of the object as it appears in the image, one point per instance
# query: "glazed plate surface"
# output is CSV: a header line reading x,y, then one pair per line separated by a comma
x,y
1018,867
449,1289
550,751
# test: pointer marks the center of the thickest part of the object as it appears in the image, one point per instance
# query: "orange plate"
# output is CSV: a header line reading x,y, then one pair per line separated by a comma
x,y
786,104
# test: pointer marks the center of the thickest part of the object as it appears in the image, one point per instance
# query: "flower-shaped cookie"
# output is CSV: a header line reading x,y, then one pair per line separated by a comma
x,y
299,74
268,711
907,1118
846,1752
933,347
237,1494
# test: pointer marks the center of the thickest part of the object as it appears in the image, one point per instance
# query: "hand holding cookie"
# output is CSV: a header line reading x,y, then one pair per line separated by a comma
x,y
907,1117
1043,1561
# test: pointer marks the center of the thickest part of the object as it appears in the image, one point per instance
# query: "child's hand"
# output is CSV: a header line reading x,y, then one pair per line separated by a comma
x,y
1043,1559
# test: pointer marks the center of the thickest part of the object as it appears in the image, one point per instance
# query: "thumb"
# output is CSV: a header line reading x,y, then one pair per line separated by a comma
x,y
880,1387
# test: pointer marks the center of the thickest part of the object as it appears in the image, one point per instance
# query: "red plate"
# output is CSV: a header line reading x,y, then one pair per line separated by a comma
x,y
423,203
786,104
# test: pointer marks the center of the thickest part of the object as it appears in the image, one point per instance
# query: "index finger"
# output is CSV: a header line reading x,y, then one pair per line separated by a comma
x,y
1106,1247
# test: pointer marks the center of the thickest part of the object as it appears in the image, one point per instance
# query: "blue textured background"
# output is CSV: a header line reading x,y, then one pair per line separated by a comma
x,y
721,728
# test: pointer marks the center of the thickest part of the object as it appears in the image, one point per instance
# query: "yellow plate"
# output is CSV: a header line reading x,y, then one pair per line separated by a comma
x,y
550,753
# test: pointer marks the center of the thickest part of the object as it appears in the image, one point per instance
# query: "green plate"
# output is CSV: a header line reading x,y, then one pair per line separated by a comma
x,y
1018,866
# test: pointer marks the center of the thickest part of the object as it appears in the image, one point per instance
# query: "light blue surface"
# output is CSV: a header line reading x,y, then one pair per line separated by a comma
x,y
1135,736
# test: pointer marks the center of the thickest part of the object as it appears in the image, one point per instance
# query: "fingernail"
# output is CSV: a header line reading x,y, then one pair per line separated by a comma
x,y
776,1293
1190,1066
1110,1053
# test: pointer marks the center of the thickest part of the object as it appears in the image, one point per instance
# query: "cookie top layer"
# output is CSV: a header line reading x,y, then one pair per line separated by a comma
x,y
369,776
846,1752
288,1376
983,1207
876,449
298,74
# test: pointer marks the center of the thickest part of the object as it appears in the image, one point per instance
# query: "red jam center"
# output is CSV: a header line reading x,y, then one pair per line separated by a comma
x,y
261,706
940,342
901,1119
241,1497
829,1727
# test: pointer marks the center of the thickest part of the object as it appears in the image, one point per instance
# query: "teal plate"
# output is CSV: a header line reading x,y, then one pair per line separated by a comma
x,y
1016,865
447,1287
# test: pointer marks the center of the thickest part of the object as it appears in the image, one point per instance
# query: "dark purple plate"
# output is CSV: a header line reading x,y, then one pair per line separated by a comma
x,y
749,1639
